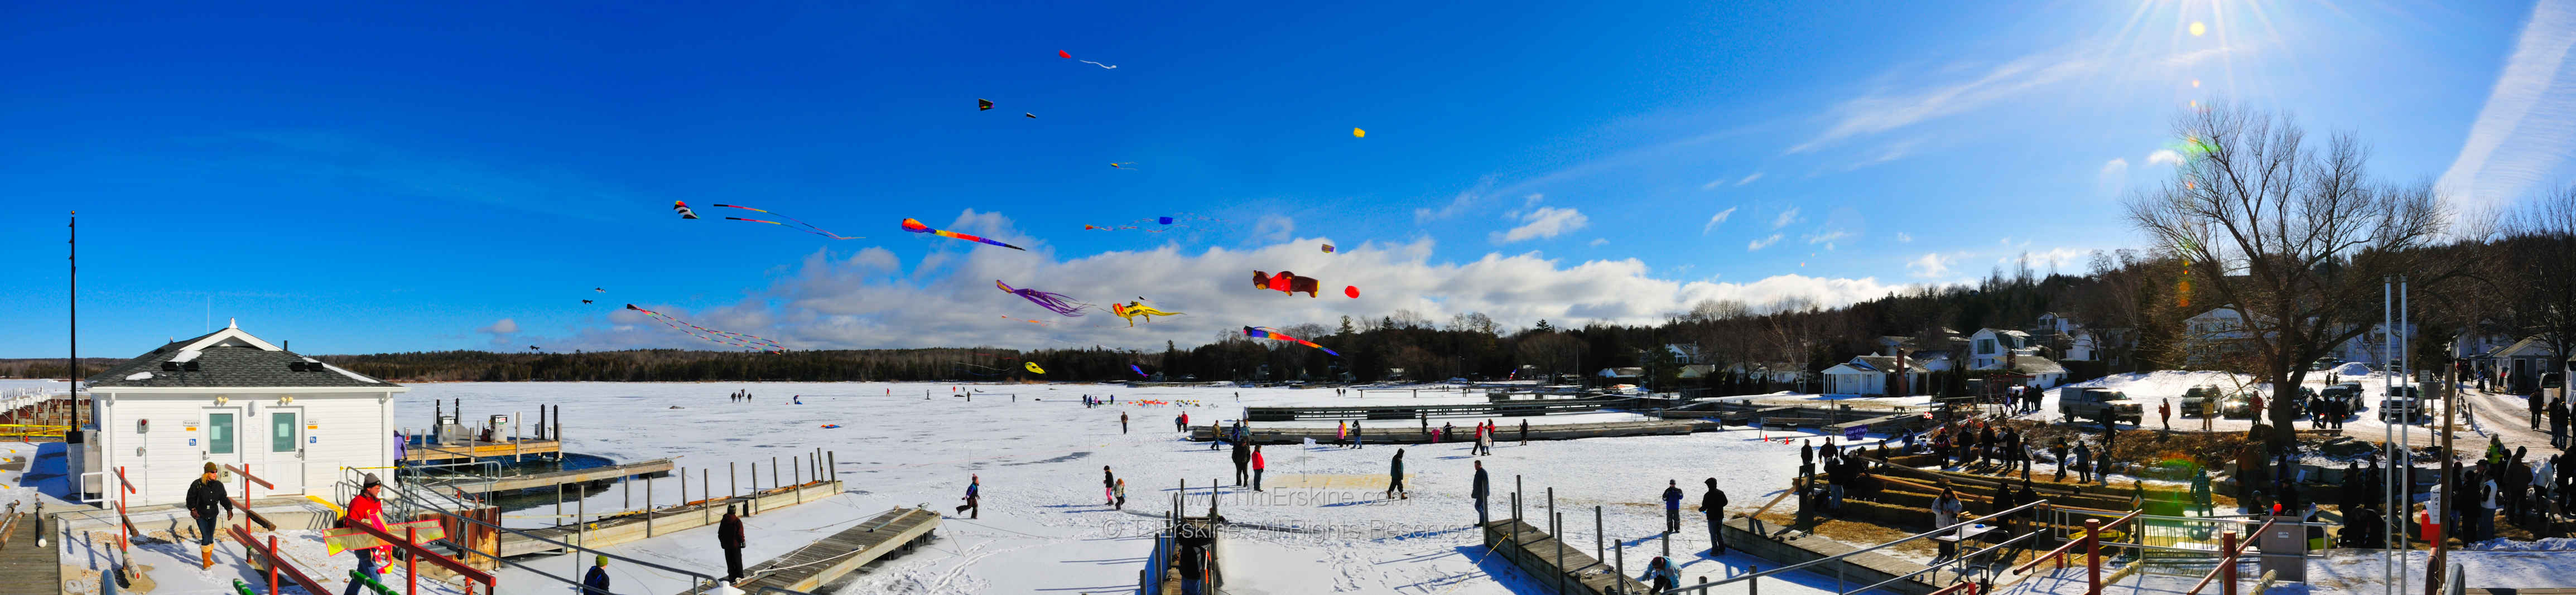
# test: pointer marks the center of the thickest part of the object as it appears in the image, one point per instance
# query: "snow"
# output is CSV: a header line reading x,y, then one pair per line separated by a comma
x,y
1039,458
138,376
186,355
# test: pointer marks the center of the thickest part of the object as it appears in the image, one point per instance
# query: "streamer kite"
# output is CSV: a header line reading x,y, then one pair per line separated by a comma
x,y
1263,332
1053,302
1285,282
915,226
1131,310
683,209
1069,56
712,335
1140,372
1033,367
809,227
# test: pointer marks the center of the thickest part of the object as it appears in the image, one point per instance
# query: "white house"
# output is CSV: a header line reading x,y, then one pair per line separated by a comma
x,y
1685,353
228,397
2079,342
1988,347
1869,375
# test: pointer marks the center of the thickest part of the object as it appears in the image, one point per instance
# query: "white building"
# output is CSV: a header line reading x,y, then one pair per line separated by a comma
x,y
1871,375
1988,347
230,398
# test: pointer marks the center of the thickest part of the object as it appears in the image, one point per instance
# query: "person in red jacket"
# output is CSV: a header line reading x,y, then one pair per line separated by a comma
x,y
1257,465
366,508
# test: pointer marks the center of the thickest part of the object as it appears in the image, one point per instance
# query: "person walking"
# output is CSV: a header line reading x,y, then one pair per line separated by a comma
x,y
1181,423
974,484
1242,464
1395,477
2200,492
2534,402
204,494
1713,506
729,537
1485,440
1118,496
2083,463
1341,434
1193,571
1672,506
2164,411
1359,437
2057,450
596,583
1524,432
2558,422
1806,460
1108,486
366,508
1480,490
1122,422
1258,464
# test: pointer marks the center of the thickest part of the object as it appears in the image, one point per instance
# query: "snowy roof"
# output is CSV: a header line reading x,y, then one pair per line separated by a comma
x,y
228,358
1884,363
2032,364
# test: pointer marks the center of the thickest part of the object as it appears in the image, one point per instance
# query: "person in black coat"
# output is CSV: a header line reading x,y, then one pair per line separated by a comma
x,y
1480,491
1713,506
1242,463
204,494
729,536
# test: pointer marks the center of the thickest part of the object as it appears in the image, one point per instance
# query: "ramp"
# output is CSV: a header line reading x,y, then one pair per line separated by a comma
x,y
826,560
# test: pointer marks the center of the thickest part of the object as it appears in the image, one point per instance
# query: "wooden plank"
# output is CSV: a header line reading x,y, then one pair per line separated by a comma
x,y
613,529
554,478
32,570
479,450
828,559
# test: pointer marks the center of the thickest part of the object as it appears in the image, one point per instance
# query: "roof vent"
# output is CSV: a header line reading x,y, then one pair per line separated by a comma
x,y
190,366
295,366
169,366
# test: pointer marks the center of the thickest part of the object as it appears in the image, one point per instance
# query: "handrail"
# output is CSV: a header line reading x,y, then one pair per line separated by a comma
x,y
407,497
2071,543
1960,559
2227,560
1704,586
276,561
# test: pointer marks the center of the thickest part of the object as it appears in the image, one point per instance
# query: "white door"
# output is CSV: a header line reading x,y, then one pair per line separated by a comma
x,y
220,440
283,454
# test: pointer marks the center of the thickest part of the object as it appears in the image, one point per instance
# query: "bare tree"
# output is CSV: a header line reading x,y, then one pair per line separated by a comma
x,y
2295,240
2537,282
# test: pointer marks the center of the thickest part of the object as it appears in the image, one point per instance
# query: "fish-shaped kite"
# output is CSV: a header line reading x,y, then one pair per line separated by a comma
x,y
915,226
1263,332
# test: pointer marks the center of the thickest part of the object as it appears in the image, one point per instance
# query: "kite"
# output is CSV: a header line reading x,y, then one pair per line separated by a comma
x,y
1122,165
1131,310
1263,332
1033,367
831,426
809,227
1035,322
1030,115
1328,248
585,301
983,104
1285,282
915,226
1351,290
1140,372
1069,56
599,290
683,209
712,335
1358,133
1183,218
1053,302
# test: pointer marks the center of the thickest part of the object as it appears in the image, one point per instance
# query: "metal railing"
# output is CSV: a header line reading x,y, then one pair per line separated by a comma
x,y
1704,586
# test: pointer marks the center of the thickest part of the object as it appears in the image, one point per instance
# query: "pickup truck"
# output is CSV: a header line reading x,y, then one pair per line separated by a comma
x,y
2097,403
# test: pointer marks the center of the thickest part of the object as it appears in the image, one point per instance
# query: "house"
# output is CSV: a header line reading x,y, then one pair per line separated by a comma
x,y
1872,375
1988,347
230,398
2524,361
2040,371
1772,372
2067,337
1686,353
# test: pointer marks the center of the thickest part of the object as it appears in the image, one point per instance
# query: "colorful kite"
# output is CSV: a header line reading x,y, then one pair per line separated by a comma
x,y
1053,302
1131,310
1285,282
983,104
1122,165
1140,372
683,209
1328,248
1069,56
809,227
1358,133
1263,332
915,226
717,336
1351,290
1033,367
1167,221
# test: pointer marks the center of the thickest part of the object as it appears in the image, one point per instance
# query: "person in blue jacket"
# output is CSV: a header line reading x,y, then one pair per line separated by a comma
x,y
1672,507
1660,575
597,582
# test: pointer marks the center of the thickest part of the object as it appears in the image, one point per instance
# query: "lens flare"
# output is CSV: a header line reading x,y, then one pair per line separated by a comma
x,y
2197,28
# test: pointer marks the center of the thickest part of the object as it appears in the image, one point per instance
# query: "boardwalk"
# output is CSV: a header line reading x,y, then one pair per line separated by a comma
x,y
809,568
1395,409
1551,563
418,453
608,529
1413,434
554,478
32,569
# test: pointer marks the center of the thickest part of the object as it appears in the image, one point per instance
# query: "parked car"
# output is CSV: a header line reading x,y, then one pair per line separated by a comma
x,y
2404,400
2200,401
2097,403
2237,406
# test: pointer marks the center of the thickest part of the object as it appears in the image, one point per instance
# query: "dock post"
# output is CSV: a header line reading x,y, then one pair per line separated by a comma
x,y
1619,557
559,502
733,489
514,437
1557,532
1597,552
706,510
773,472
799,476
626,497
558,432
832,461
648,506
579,533
684,483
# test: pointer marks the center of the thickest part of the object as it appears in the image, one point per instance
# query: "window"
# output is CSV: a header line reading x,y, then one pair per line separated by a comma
x,y
219,433
1985,347
281,431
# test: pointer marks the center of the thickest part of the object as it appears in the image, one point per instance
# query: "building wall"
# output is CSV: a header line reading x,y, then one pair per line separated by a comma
x,y
333,430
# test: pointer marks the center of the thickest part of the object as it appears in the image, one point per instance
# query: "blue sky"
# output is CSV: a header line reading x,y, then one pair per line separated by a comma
x,y
379,178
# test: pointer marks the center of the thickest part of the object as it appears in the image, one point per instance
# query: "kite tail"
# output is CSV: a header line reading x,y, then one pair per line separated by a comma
x,y
1052,301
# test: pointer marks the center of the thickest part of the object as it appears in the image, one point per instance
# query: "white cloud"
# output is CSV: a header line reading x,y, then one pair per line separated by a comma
x,y
1762,243
826,302
1457,205
1546,222
1532,200
2164,156
1883,111
1930,265
1712,184
1749,179
1599,241
1903,238
1718,218
2113,179
1827,238
504,327
1885,153
1785,218
2522,135
1274,228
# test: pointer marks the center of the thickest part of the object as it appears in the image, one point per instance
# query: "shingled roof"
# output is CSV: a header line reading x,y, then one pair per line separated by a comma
x,y
228,358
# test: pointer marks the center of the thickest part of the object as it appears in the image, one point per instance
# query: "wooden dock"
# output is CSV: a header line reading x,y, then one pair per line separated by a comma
x,y
613,529
1413,434
828,559
1550,562
432,453
554,478
32,569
